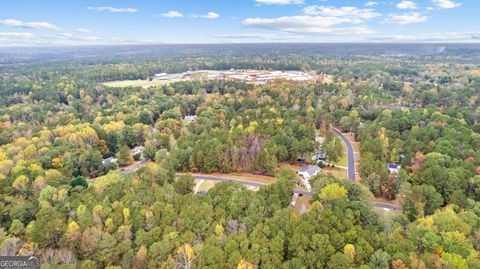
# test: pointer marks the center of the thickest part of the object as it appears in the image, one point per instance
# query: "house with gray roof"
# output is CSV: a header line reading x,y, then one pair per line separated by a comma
x,y
307,172
109,160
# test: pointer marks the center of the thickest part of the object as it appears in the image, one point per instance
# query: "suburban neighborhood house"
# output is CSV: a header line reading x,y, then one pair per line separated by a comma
x,y
320,154
136,150
306,173
394,168
191,117
109,160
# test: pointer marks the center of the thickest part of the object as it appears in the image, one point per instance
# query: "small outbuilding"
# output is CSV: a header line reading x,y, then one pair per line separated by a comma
x,y
394,168
136,150
109,160
191,117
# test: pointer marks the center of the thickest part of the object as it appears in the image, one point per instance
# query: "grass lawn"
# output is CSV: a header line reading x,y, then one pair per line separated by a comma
x,y
336,172
343,160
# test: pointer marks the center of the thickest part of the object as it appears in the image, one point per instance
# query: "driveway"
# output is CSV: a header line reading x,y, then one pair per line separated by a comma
x,y
135,167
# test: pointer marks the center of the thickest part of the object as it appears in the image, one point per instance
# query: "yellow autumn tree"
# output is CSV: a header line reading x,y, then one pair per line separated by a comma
x,y
333,191
219,229
349,250
186,256
243,264
20,183
126,215
73,232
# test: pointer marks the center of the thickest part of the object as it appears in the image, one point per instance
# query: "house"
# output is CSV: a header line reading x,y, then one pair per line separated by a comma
x,y
136,150
109,160
319,139
320,155
191,117
394,168
307,172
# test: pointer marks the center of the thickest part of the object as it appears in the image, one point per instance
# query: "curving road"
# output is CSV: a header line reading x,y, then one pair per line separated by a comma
x,y
350,155
254,184
352,173
300,192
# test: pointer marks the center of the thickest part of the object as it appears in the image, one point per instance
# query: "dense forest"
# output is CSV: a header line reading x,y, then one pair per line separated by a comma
x,y
60,201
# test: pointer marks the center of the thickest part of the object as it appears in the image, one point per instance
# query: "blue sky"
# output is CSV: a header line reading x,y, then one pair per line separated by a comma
x,y
88,22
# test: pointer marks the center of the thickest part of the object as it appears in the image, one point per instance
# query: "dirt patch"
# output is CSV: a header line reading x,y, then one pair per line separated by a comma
x,y
293,166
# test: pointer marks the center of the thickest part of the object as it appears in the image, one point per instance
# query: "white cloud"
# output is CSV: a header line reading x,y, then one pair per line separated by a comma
x,y
68,37
405,4
347,12
280,2
16,35
308,24
83,30
114,9
210,15
371,3
30,25
65,35
446,4
172,14
406,18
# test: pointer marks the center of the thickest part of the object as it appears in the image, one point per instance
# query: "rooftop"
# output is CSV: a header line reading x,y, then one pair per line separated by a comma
x,y
310,170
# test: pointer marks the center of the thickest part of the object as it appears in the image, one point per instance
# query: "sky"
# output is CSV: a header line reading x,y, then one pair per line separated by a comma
x,y
90,22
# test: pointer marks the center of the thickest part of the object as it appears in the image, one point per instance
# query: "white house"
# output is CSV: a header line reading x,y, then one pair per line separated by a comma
x,y
191,117
109,160
307,172
136,150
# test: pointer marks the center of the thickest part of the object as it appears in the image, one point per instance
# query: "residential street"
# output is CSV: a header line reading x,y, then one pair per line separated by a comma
x,y
350,155
296,191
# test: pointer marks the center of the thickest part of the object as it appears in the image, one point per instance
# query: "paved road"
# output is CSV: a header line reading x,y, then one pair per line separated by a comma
x,y
387,206
251,184
135,167
350,155
351,170
300,192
